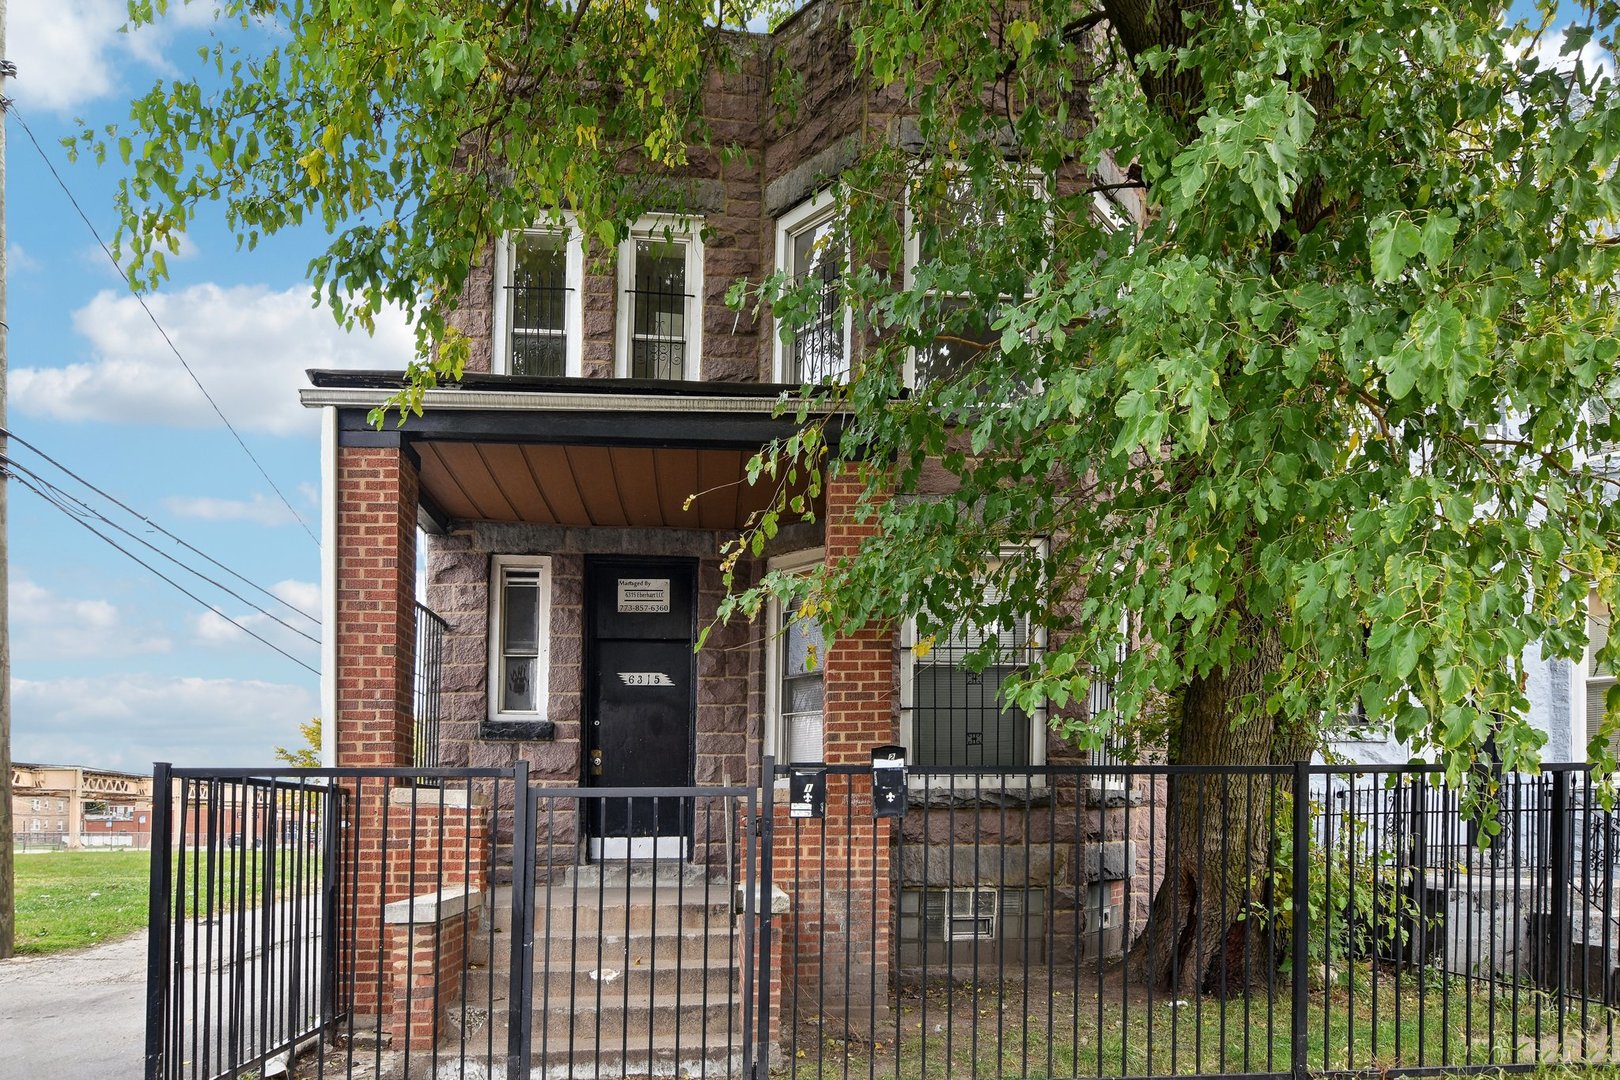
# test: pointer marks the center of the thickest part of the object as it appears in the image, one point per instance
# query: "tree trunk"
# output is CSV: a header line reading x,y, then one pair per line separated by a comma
x,y
1202,933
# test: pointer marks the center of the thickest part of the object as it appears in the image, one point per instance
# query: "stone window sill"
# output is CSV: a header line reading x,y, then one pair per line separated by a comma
x,y
517,730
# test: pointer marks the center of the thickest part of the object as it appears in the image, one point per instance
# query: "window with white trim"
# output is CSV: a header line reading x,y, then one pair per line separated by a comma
x,y
1101,699
1599,677
519,637
953,716
965,333
539,309
661,300
806,252
793,669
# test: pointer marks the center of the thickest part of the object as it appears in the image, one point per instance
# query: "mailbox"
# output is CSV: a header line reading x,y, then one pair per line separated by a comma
x,y
888,781
807,793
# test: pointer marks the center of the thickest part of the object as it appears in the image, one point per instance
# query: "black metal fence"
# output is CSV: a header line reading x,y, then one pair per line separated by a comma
x,y
646,953
335,916
430,631
1141,921
1134,921
438,923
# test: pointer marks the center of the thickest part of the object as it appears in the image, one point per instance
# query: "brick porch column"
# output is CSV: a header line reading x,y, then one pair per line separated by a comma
x,y
376,645
845,900
376,604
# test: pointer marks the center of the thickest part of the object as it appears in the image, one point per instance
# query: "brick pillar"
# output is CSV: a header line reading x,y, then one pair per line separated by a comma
x,y
376,646
376,604
845,892
438,855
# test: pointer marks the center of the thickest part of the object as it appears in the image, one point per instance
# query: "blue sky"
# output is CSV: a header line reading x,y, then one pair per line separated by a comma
x,y
111,666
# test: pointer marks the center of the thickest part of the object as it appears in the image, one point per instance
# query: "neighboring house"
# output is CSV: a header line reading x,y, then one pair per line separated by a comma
x,y
77,806
573,572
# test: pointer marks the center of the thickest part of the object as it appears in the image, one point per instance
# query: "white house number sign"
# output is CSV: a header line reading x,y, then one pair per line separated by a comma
x,y
643,596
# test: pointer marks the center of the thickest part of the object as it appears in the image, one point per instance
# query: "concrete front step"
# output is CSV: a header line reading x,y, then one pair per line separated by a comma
x,y
612,1020
639,872
594,1061
718,977
663,951
630,910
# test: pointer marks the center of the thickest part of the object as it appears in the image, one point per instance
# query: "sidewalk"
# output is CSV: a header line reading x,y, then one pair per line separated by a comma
x,y
74,1016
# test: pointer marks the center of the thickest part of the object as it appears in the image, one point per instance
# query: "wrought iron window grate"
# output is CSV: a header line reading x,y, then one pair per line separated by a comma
x,y
818,348
537,300
659,318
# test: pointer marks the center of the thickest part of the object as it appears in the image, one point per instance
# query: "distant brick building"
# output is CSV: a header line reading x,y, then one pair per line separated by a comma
x,y
74,806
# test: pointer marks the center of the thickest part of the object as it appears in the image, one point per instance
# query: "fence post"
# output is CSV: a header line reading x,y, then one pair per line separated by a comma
x,y
1299,891
520,1015
766,833
158,915
1560,915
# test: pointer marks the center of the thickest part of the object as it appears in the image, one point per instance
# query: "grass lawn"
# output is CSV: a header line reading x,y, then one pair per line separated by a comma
x,y
993,1030
70,899
73,899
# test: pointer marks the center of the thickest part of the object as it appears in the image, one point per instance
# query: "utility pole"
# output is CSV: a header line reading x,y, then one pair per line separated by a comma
x,y
8,882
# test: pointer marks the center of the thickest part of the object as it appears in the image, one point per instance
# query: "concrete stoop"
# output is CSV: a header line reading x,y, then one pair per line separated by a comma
x,y
637,974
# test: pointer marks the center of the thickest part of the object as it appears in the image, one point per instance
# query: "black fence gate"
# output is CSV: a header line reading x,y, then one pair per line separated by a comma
x,y
447,922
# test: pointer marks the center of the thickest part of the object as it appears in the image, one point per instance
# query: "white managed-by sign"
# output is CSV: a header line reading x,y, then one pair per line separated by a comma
x,y
643,596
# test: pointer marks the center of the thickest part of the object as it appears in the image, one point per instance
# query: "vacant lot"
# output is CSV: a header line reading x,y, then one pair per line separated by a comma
x,y
70,899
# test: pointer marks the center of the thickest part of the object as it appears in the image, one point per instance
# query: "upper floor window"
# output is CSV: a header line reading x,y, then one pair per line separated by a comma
x,y
948,228
954,716
806,250
519,637
661,300
538,305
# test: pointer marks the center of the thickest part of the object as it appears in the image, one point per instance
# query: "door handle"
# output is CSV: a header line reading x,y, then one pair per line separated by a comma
x,y
596,762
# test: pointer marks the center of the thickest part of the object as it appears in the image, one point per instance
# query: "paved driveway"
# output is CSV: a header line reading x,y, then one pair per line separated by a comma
x,y
74,1016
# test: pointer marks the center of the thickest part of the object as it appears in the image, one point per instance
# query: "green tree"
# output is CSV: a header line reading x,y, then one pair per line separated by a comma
x,y
307,756
1317,414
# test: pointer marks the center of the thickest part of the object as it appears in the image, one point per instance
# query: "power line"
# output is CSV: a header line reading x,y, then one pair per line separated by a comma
x,y
86,508
12,111
52,501
132,512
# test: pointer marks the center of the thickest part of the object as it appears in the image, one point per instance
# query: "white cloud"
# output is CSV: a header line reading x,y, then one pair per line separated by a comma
x,y
1550,52
260,509
46,626
18,259
248,344
70,52
286,630
130,721
303,595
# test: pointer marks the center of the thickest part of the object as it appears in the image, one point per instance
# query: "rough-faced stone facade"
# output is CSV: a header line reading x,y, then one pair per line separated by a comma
x,y
1079,848
729,668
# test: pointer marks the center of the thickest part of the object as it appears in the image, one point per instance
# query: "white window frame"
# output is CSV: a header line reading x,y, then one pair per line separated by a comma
x,y
908,697
500,358
687,231
814,211
1590,677
1108,755
775,726
499,567
913,253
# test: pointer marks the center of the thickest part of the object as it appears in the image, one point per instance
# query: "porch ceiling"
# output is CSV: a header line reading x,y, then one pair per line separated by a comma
x,y
586,485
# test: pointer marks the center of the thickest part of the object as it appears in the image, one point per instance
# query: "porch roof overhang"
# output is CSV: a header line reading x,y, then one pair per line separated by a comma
x,y
574,452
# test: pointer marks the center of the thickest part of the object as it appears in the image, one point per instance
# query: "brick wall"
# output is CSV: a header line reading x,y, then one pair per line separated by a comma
x,y
376,612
